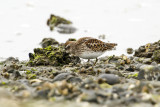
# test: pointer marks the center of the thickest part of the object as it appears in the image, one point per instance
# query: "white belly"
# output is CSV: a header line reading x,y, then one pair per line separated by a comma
x,y
90,55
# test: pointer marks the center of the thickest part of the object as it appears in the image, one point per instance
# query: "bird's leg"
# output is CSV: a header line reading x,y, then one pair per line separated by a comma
x,y
96,61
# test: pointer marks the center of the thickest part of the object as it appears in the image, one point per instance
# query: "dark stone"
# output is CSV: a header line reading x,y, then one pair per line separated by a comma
x,y
130,50
109,78
74,80
43,93
61,76
31,56
48,41
130,68
11,59
16,74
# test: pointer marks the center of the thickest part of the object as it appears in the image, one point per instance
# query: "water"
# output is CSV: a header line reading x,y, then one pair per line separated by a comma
x,y
130,23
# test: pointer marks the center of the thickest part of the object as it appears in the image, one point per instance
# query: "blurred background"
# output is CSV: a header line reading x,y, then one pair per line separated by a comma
x,y
130,23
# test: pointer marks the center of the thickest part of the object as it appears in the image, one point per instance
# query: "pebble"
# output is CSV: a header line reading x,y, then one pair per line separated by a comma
x,y
61,76
130,50
109,78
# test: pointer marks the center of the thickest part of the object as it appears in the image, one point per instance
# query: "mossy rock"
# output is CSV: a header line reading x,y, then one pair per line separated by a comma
x,y
135,75
48,41
150,50
31,76
156,56
54,21
51,55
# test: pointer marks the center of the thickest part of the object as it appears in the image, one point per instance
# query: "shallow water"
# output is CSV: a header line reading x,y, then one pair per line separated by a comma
x,y
130,23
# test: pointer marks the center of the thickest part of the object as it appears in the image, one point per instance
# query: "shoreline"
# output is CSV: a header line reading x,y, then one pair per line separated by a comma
x,y
113,81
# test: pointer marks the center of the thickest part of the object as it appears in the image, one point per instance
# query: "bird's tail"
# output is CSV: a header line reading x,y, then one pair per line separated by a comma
x,y
110,46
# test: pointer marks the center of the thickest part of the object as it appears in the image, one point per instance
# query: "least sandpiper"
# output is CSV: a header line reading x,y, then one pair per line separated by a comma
x,y
88,47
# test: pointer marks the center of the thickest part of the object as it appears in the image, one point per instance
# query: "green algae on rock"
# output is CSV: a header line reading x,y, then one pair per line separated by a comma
x,y
48,41
54,21
150,50
51,55
156,56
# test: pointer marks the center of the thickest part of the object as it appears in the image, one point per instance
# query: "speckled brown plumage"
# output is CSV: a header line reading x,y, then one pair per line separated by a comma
x,y
88,47
97,45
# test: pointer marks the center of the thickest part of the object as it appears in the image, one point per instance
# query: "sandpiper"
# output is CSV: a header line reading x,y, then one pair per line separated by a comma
x,y
88,47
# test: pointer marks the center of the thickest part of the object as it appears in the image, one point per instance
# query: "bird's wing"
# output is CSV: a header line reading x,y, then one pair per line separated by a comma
x,y
82,40
96,45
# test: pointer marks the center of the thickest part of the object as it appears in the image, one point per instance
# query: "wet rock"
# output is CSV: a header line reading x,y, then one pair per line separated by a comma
x,y
147,61
48,41
105,85
109,78
43,93
58,88
54,21
150,50
133,75
52,55
88,84
130,50
11,59
16,74
6,75
35,81
93,96
154,63
61,76
149,72
141,75
156,56
74,80
31,76
130,68
11,67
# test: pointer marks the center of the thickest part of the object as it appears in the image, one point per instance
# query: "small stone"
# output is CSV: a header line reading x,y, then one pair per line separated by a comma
x,y
54,21
154,63
130,50
65,92
35,80
6,75
149,72
131,68
109,78
74,80
61,76
11,59
105,85
48,41
147,68
31,76
147,61
26,94
156,56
